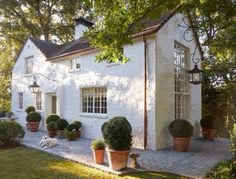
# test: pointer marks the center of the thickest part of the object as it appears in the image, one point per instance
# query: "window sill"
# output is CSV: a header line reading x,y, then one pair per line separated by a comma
x,y
27,75
91,115
74,71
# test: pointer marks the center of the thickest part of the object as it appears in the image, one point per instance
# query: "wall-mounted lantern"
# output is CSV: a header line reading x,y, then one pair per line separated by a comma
x,y
195,75
34,88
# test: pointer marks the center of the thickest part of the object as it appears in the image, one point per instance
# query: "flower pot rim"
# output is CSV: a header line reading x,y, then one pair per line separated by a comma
x,y
182,137
97,149
112,150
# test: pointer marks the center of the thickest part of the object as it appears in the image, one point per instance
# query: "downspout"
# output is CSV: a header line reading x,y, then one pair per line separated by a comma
x,y
145,93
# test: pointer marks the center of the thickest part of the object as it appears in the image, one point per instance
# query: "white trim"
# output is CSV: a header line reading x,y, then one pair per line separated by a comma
x,y
94,115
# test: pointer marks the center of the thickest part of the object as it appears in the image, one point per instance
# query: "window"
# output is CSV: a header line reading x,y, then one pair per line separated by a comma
x,y
94,100
181,60
39,100
29,65
20,100
75,64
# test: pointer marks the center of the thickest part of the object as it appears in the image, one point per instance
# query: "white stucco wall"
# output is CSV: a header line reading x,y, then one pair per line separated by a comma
x,y
79,30
165,96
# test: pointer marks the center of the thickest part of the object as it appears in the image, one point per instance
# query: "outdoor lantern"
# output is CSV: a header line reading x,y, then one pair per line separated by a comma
x,y
34,88
195,75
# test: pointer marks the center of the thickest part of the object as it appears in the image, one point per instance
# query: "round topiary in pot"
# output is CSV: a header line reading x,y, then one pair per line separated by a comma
x,y
77,125
30,109
51,127
33,119
117,134
61,124
52,117
10,133
98,148
181,130
208,125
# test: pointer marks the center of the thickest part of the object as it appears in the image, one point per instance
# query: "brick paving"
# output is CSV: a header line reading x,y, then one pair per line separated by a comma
x,y
203,155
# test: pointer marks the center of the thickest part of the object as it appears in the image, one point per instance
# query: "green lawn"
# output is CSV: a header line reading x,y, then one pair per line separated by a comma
x,y
26,163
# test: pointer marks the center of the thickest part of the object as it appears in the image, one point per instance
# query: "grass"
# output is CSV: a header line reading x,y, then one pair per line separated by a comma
x,y
22,163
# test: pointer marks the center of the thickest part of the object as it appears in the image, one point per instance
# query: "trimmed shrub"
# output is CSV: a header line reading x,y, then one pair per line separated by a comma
x,y
61,124
77,125
33,117
98,144
52,117
208,122
70,135
117,133
10,132
51,126
180,128
71,127
30,109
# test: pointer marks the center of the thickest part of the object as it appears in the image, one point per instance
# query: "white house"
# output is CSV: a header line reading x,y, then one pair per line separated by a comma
x,y
150,90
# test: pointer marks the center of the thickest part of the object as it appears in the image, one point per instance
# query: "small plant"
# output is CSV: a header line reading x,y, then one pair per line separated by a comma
x,y
33,117
117,133
208,122
30,109
10,132
71,127
70,135
77,125
181,128
98,144
51,126
52,117
61,124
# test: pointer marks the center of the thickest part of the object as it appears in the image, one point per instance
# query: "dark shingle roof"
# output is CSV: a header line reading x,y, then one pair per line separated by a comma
x,y
54,51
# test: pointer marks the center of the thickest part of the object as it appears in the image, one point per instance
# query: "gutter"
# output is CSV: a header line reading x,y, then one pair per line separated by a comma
x,y
145,93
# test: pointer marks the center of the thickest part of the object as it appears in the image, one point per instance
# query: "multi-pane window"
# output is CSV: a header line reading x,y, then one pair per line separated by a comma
x,y
94,100
75,64
181,60
39,100
29,65
20,100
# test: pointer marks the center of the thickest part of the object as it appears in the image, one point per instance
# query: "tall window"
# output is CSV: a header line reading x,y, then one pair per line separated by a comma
x,y
181,55
20,100
39,100
75,64
94,100
29,65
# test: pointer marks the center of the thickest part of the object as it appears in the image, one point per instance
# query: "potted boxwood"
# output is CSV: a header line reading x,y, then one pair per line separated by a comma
x,y
181,131
98,148
52,131
208,127
51,127
117,134
70,132
61,124
77,125
33,119
28,110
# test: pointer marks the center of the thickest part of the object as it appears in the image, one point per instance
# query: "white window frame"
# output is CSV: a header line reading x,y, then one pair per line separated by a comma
x,y
20,102
75,64
38,100
29,64
181,62
89,95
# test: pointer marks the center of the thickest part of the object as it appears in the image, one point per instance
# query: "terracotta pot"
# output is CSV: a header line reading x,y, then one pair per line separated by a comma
x,y
209,134
181,144
98,156
117,159
33,126
52,133
61,134
78,133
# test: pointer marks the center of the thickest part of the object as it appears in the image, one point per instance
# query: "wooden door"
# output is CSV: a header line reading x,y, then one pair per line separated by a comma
x,y
54,104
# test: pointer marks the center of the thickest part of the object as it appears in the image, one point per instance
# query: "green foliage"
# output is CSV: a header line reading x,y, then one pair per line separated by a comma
x,y
233,140
10,132
117,133
51,126
224,170
52,117
33,117
98,144
70,135
2,113
77,125
180,128
30,109
61,124
71,127
208,122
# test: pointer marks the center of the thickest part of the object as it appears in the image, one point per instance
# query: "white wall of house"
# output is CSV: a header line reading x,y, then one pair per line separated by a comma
x,y
125,87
